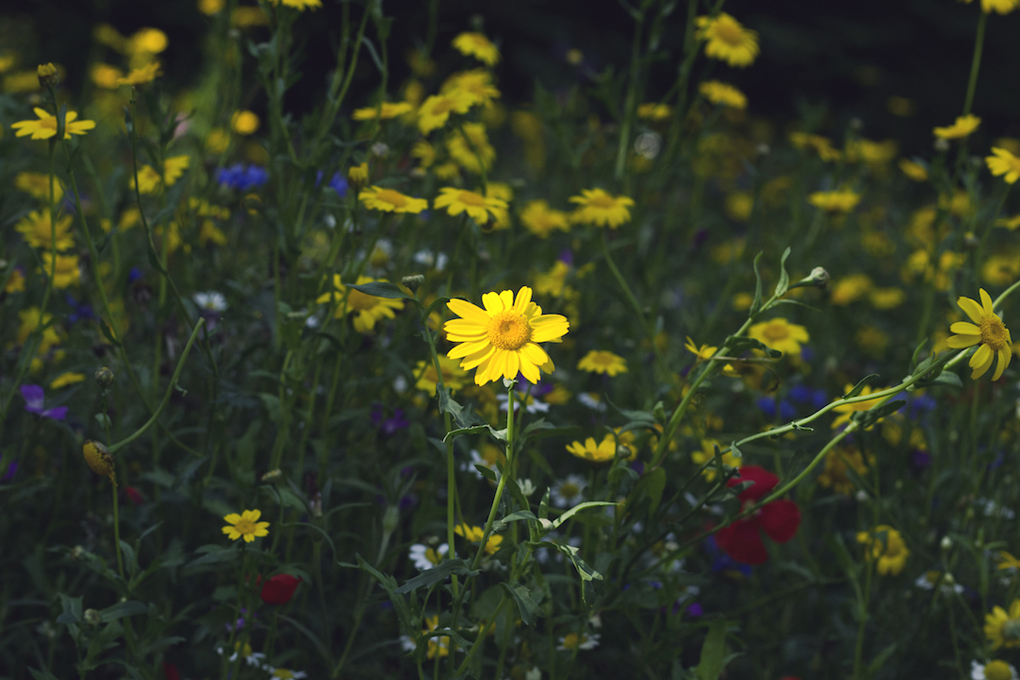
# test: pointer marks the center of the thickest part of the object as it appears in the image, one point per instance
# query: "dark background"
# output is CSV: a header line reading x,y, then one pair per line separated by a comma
x,y
847,57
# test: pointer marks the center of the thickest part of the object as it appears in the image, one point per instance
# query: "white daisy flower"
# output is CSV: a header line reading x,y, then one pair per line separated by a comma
x,y
993,509
430,259
532,404
993,670
211,301
425,557
568,492
526,486
928,579
572,641
284,673
251,657
592,401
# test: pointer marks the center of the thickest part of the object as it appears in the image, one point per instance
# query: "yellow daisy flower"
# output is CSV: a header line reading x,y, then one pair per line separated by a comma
x,y
478,207
1004,163
890,550
357,175
779,334
65,379
38,185
601,452
245,525
723,94
67,272
727,40
244,122
474,535
963,126
475,84
388,200
387,111
453,375
707,453
299,4
46,126
141,75
538,218
502,339
1002,629
368,309
478,46
835,201
704,353
599,208
603,362
989,332
913,170
435,111
655,112
37,230
472,152
1000,6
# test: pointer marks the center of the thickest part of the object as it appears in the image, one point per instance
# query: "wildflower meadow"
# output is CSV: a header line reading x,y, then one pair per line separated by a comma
x,y
332,346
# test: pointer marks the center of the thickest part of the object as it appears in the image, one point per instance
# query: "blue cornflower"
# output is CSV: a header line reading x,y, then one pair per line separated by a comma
x,y
337,183
242,177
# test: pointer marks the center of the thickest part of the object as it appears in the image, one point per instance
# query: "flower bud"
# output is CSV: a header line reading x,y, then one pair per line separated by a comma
x,y
48,76
819,277
272,475
279,589
357,176
104,376
92,617
413,281
99,459
946,543
390,519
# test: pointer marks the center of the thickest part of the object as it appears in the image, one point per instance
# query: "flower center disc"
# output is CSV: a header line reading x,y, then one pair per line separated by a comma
x,y
603,202
994,333
775,332
472,199
998,670
245,526
509,330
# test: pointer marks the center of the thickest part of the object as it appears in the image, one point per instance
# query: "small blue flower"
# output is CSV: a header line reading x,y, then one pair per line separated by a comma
x,y
34,398
242,177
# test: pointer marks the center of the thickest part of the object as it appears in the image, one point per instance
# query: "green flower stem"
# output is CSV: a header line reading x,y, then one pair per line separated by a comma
x,y
975,63
683,75
166,397
340,84
507,471
629,294
116,534
630,104
862,615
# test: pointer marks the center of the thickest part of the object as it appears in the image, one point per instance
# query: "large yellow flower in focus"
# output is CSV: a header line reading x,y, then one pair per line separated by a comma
x,y
245,525
502,339
989,332
779,334
728,40
46,126
1003,629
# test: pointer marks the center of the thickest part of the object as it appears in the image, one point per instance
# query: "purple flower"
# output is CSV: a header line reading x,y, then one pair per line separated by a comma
x,y
34,396
12,469
388,426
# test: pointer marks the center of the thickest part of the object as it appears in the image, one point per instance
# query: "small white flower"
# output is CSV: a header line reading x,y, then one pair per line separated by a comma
x,y
568,492
572,641
407,644
400,384
533,404
534,673
993,670
211,301
425,557
993,509
284,673
250,657
592,401
526,486
928,579
430,259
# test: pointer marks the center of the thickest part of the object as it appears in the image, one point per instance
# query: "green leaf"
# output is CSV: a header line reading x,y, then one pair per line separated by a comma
x,y
872,416
520,515
943,379
576,509
323,650
436,574
498,434
122,609
651,485
784,277
713,651
738,345
486,471
756,304
526,605
859,387
447,404
380,289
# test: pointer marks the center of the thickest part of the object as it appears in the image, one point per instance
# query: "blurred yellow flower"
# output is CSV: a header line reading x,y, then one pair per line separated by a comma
x,y
147,41
470,147
65,379
1001,627
821,145
591,451
887,298
1000,6
385,111
885,544
478,207
476,84
838,463
779,334
843,200
538,218
727,40
845,411
435,111
707,453
357,175
1004,163
703,353
106,76
913,170
601,209
299,4
849,289
38,231
244,122
211,7
245,525
453,375
963,126
478,46
66,274
140,75
368,309
723,94
38,185
388,200
603,362
987,331
46,126
654,112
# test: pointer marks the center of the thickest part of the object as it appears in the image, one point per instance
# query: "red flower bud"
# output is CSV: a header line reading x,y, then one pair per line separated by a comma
x,y
279,589
134,495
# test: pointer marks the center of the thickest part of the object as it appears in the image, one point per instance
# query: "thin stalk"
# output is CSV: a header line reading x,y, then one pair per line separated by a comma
x,y
975,64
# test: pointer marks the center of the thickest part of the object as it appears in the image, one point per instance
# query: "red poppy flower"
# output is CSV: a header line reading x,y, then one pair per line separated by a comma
x,y
279,589
778,519
134,495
